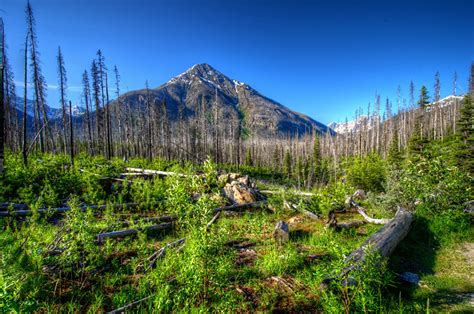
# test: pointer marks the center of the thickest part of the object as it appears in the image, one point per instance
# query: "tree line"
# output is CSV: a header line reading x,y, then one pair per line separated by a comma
x,y
119,128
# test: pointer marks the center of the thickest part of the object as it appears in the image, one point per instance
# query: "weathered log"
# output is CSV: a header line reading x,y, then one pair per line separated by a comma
x,y
58,210
130,306
155,172
14,206
166,218
161,252
283,192
241,207
216,216
305,212
129,232
281,234
383,242
361,211
348,225
309,214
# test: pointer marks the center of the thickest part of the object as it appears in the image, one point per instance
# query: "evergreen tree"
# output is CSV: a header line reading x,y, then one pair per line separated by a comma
x,y
394,156
465,151
248,158
299,170
416,143
287,164
424,98
315,173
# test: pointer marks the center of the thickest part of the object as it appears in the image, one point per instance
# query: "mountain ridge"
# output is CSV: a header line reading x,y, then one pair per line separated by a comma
x,y
204,86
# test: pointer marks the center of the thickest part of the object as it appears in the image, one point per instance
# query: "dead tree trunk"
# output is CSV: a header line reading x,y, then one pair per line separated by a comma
x,y
382,242
129,232
2,105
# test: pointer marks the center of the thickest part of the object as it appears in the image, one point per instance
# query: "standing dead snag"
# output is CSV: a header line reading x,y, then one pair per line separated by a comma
x,y
2,106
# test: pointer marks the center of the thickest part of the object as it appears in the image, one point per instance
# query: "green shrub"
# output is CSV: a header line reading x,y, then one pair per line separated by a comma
x,y
367,173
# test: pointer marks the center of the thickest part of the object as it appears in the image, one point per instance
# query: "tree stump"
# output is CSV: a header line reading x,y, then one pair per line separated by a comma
x,y
281,234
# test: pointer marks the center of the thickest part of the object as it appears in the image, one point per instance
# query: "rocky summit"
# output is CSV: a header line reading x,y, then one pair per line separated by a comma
x,y
202,86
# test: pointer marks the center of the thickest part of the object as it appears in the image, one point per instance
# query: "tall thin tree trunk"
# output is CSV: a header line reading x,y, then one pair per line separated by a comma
x,y
24,153
2,105
71,135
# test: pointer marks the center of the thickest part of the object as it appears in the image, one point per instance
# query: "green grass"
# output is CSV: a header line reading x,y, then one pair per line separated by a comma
x,y
206,274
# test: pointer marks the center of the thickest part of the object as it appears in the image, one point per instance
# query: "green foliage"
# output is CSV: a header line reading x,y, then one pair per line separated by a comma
x,y
424,98
367,173
279,261
394,157
465,149
204,275
248,158
287,164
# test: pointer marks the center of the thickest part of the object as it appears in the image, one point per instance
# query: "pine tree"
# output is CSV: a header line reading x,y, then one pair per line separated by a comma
x,y
248,158
416,142
424,98
287,163
394,156
465,151
315,172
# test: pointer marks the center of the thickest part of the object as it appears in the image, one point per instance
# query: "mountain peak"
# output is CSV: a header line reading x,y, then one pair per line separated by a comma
x,y
206,74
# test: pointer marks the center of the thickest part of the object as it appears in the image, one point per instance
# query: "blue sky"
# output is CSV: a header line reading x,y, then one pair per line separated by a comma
x,y
322,58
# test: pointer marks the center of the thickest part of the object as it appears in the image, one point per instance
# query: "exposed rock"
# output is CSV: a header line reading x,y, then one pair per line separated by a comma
x,y
281,234
238,189
411,278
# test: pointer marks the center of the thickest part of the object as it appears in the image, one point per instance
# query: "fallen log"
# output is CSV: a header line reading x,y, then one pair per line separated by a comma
x,y
216,216
58,210
348,225
305,212
130,306
383,242
283,192
240,207
155,172
129,232
361,211
161,252
167,218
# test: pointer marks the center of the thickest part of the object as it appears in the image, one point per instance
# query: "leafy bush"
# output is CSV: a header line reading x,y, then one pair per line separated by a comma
x,y
367,173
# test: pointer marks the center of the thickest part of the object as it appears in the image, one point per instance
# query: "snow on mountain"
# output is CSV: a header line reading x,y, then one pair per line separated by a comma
x,y
354,126
53,113
202,85
350,126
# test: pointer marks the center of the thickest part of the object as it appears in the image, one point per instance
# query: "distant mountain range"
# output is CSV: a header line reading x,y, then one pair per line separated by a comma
x,y
260,115
53,113
356,125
